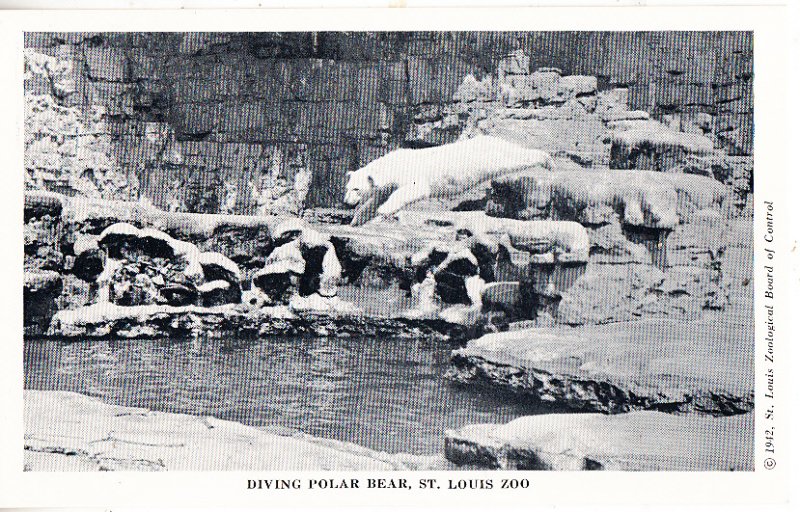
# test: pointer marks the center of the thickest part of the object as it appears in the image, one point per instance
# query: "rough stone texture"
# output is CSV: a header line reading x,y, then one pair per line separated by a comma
x,y
41,289
147,266
657,148
244,239
66,431
737,173
42,250
340,100
41,203
611,293
635,441
737,268
543,257
665,365
279,280
607,293
698,242
304,262
307,318
656,240
599,196
548,257
68,149
42,231
549,241
569,130
373,251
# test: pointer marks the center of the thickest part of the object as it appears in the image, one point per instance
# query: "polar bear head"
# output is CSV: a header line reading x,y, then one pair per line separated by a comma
x,y
359,185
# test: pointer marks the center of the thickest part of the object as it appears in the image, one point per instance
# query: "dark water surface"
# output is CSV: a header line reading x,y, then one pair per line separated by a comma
x,y
386,394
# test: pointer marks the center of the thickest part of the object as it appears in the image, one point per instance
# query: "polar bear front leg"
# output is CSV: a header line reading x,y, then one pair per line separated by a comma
x,y
403,196
369,205
549,163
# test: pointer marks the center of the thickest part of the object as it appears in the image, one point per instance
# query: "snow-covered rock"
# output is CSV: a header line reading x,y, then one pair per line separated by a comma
x,y
67,431
147,266
635,441
648,364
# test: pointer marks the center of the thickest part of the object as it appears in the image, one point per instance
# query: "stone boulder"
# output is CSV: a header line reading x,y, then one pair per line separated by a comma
x,y
41,243
702,366
539,257
41,231
89,259
535,115
501,294
147,266
634,198
217,293
737,173
40,203
574,86
547,242
656,147
304,262
514,63
48,75
472,89
544,82
449,284
609,293
643,229
450,276
222,279
68,147
698,242
40,291
636,441
246,240
279,280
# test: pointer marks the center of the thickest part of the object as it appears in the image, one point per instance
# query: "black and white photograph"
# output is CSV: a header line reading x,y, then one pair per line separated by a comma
x,y
388,251
402,256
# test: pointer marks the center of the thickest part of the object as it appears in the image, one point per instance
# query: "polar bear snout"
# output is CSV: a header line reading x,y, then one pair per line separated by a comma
x,y
357,188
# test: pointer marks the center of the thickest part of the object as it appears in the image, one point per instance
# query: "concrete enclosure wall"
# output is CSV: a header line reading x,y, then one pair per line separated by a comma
x,y
238,106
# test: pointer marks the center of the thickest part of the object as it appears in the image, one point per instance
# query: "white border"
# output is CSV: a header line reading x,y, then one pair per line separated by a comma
x,y
773,59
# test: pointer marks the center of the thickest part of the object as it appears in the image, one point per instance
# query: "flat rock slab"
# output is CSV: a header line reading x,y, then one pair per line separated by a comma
x,y
654,146
636,198
548,240
704,366
155,321
66,431
635,441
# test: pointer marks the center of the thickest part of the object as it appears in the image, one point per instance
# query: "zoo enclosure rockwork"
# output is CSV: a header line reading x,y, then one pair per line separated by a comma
x,y
208,121
646,218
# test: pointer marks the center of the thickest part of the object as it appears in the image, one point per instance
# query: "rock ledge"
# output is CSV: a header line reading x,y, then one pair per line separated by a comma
x,y
664,365
638,441
66,431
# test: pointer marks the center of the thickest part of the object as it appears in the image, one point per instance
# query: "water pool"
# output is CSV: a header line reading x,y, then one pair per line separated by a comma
x,y
386,394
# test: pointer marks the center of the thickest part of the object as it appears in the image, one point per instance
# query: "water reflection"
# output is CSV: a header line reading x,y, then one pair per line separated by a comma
x,y
387,394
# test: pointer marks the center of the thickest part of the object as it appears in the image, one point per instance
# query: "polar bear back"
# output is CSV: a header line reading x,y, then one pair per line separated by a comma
x,y
457,166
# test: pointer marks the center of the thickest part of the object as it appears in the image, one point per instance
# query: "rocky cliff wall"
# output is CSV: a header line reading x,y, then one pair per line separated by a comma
x,y
239,122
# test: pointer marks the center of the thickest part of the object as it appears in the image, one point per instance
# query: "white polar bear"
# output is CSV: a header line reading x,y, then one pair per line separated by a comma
x,y
404,176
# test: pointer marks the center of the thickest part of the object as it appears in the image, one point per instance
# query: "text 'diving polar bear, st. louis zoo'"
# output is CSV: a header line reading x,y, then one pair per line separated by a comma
x,y
386,185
